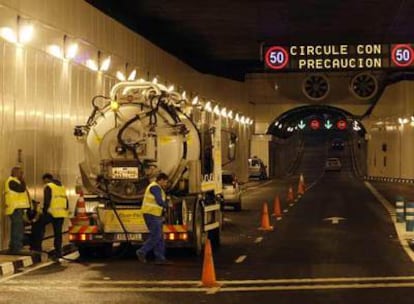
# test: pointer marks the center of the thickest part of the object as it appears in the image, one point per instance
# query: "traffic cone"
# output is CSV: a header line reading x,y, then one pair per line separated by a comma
x,y
265,219
276,208
301,186
208,277
290,196
81,218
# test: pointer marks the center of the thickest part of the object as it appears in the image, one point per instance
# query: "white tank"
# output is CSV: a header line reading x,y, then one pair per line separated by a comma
x,y
137,133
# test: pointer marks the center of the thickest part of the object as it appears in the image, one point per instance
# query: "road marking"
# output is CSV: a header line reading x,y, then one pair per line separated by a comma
x,y
258,240
334,219
240,259
225,286
40,266
286,211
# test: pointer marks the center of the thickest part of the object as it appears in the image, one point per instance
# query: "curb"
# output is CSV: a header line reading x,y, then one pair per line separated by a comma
x,y
17,266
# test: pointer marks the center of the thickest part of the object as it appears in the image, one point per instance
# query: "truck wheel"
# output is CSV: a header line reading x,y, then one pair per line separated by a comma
x,y
198,233
84,251
238,206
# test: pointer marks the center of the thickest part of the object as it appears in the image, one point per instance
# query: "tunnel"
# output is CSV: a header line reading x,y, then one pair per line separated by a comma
x,y
303,136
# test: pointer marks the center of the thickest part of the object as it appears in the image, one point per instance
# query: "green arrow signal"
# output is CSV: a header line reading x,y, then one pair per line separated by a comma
x,y
328,124
301,125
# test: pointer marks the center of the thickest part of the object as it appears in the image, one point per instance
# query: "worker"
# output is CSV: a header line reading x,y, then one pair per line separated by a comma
x,y
55,210
153,207
17,201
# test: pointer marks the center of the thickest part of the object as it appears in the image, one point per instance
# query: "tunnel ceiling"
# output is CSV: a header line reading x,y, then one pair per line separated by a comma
x,y
314,119
224,37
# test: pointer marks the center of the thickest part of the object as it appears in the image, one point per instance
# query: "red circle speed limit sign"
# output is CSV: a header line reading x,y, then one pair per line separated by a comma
x,y
315,124
341,124
402,55
276,57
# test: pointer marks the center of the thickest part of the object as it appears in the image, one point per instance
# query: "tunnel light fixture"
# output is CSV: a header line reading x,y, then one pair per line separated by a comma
x,y
8,34
105,64
216,110
155,80
224,112
237,117
132,75
55,51
276,123
403,121
70,47
230,114
184,95
207,106
120,76
92,65
280,126
243,120
170,88
25,30
195,101
71,51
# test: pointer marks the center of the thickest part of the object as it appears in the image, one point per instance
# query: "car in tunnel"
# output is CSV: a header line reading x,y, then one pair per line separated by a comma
x,y
232,194
333,164
337,144
257,168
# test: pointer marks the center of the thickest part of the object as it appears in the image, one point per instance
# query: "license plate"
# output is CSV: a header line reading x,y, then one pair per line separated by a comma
x,y
131,236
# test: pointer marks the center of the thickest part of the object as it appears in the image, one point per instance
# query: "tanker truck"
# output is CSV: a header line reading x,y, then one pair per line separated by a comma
x,y
139,130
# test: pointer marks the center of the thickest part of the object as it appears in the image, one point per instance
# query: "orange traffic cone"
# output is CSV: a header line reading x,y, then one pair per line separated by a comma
x,y
276,208
301,186
81,218
290,196
265,219
208,277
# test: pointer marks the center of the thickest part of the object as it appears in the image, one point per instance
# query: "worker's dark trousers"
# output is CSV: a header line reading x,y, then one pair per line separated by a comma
x,y
155,240
16,231
38,232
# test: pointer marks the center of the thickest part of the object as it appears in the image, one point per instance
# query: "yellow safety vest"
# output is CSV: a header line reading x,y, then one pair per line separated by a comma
x,y
149,204
58,202
15,200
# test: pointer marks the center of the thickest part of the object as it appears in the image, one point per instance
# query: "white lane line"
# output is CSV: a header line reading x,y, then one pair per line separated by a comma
x,y
258,240
240,259
286,211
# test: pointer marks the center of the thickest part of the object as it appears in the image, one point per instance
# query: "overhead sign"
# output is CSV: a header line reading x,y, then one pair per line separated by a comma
x,y
301,58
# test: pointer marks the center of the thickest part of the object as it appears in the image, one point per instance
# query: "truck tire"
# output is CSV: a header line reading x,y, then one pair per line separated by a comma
x,y
199,235
84,251
100,251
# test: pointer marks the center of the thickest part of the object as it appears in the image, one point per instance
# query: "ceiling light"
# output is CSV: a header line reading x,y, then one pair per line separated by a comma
x,y
92,65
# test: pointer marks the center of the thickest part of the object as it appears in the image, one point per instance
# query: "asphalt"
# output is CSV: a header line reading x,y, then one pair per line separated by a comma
x,y
386,192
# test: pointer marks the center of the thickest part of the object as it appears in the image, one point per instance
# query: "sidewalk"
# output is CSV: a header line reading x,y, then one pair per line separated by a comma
x,y
386,193
11,264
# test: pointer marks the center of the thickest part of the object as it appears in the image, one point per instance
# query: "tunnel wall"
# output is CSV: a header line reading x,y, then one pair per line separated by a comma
x,y
44,97
390,143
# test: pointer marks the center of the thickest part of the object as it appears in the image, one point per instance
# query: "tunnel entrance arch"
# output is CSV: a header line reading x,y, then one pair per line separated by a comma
x,y
289,134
